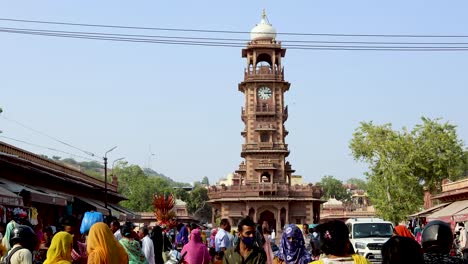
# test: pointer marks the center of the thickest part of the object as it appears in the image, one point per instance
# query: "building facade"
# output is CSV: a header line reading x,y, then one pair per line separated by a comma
x,y
262,187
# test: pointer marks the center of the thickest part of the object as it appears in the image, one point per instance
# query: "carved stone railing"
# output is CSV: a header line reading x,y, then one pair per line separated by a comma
x,y
264,190
264,146
263,73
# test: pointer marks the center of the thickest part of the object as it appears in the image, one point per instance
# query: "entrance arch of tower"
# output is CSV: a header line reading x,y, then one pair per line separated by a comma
x,y
267,213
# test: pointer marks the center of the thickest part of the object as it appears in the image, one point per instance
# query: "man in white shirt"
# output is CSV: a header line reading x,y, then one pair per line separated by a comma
x,y
115,227
222,241
147,245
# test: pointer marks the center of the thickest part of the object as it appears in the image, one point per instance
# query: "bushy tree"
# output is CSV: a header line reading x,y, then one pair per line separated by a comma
x,y
402,163
359,183
198,204
333,188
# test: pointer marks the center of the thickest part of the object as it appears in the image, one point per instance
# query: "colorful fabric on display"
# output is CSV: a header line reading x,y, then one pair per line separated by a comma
x,y
103,248
196,252
60,249
133,248
292,252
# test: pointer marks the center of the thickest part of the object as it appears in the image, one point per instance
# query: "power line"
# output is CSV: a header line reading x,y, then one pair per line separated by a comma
x,y
94,36
8,29
231,31
50,137
52,149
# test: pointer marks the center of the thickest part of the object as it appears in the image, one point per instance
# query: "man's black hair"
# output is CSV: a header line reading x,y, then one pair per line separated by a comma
x,y
245,222
115,223
224,222
69,220
145,230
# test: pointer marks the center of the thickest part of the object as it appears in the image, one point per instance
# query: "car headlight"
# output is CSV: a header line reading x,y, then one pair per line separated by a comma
x,y
360,245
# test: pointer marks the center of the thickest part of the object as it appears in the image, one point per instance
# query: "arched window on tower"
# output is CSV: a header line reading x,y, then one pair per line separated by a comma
x,y
265,177
264,137
263,64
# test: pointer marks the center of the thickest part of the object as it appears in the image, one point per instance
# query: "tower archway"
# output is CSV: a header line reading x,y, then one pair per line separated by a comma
x,y
269,217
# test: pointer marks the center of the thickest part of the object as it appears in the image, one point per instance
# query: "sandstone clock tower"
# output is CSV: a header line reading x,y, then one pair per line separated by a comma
x,y
262,186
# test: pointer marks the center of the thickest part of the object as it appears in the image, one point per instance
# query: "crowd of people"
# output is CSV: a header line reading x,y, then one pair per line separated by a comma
x,y
97,242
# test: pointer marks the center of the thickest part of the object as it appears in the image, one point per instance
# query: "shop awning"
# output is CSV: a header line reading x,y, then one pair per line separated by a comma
x,y
96,204
446,214
429,211
9,198
39,196
128,214
461,216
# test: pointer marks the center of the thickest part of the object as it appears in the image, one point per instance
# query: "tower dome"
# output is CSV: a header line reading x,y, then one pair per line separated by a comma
x,y
264,30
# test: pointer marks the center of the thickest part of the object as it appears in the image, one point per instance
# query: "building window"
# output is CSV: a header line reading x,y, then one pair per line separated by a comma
x,y
298,221
264,137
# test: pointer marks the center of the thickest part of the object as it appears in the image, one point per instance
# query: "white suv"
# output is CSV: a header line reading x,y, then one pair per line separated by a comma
x,y
367,236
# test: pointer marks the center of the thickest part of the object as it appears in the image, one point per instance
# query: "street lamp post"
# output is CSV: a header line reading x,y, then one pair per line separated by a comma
x,y
119,159
105,175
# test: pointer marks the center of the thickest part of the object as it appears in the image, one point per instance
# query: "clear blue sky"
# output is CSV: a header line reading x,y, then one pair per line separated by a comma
x,y
183,101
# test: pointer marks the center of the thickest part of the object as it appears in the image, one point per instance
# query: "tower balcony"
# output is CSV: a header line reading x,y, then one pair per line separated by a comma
x,y
265,127
264,147
266,190
263,73
264,110
265,165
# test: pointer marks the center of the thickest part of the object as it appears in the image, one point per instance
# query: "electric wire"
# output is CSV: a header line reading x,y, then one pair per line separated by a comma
x,y
230,44
49,148
242,40
231,31
48,136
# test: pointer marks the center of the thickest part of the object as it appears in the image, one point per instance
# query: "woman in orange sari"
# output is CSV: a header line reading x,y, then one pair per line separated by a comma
x,y
103,248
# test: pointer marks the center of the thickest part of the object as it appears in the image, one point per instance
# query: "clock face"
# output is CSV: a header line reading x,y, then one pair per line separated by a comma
x,y
264,93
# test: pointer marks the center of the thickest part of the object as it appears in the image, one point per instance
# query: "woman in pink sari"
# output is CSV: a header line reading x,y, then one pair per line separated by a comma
x,y
195,252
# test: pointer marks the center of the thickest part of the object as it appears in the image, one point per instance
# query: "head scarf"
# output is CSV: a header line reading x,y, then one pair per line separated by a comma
x,y
196,252
401,230
214,231
292,252
6,238
60,249
103,248
133,248
182,236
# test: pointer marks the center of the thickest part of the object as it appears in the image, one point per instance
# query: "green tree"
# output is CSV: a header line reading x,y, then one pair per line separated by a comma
x,y
360,183
205,181
333,188
198,204
138,187
181,193
402,163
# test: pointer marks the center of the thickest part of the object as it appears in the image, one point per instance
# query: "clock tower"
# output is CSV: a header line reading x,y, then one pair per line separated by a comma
x,y
263,186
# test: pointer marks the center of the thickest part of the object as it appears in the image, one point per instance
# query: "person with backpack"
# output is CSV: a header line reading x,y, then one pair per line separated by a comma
x,y
23,241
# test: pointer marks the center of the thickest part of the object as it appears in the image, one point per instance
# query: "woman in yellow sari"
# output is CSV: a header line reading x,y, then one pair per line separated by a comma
x,y
103,248
60,249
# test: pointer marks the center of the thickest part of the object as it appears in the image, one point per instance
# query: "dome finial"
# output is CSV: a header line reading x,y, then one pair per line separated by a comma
x,y
263,30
